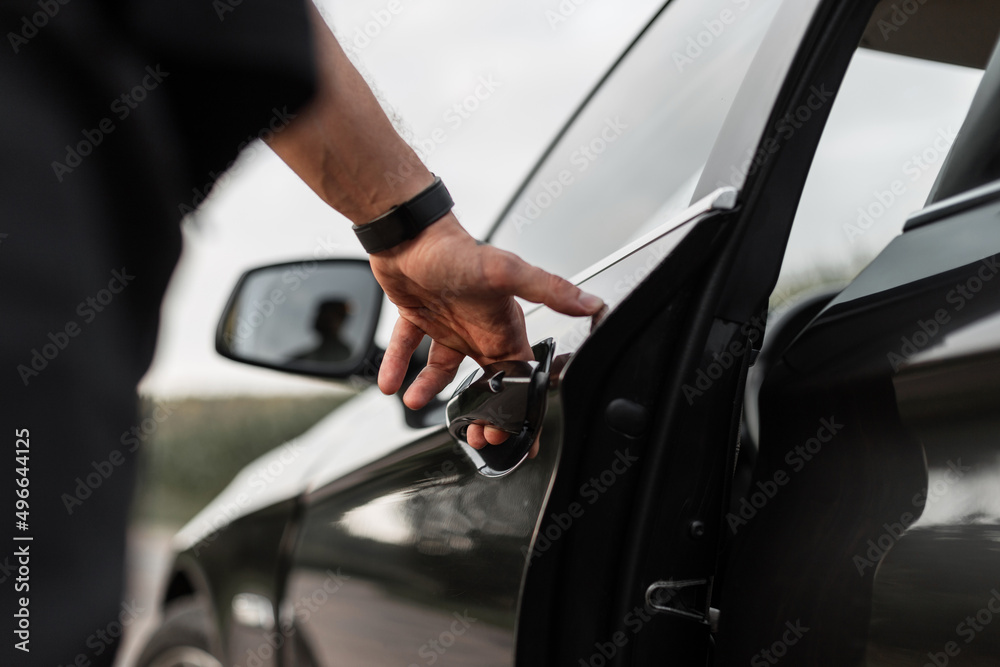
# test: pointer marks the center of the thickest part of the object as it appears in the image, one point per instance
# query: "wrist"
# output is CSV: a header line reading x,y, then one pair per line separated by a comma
x,y
405,221
397,192
446,230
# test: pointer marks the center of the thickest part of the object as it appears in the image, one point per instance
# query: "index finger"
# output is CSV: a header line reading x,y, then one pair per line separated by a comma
x,y
516,277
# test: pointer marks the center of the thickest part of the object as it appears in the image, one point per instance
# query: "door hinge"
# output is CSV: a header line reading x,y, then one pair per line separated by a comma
x,y
687,598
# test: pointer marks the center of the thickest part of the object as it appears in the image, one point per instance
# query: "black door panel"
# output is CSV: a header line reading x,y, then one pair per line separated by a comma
x,y
843,546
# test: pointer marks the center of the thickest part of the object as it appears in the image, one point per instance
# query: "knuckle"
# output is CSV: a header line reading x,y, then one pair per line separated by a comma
x,y
500,273
559,285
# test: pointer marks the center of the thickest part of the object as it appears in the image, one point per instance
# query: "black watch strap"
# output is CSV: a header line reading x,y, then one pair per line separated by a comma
x,y
405,221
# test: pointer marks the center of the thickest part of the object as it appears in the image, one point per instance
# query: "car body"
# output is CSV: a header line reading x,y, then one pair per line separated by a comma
x,y
704,494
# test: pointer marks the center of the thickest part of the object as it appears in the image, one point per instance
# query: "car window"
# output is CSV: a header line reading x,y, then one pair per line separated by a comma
x,y
890,129
633,157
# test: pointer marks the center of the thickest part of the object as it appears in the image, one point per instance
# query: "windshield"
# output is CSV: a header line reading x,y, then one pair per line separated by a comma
x,y
632,158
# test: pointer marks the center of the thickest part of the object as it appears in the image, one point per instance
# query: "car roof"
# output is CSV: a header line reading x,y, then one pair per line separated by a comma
x,y
959,32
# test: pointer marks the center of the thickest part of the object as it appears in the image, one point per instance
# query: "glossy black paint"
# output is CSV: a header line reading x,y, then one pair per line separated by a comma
x,y
510,396
573,602
244,557
840,548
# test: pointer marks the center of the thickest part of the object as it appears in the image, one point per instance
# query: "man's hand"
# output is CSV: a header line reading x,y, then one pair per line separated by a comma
x,y
445,285
461,294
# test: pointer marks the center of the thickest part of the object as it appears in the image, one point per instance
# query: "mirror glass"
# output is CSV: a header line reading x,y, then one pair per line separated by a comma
x,y
313,318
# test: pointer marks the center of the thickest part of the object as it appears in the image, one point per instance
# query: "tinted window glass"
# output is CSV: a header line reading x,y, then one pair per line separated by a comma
x,y
889,132
633,157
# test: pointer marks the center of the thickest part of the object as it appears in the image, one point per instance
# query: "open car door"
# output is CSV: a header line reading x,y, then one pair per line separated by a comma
x,y
669,195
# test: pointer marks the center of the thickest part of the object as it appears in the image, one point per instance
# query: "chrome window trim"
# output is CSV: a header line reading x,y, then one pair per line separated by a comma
x,y
723,199
952,205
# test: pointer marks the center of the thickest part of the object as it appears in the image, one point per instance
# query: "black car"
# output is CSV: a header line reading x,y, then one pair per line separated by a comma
x,y
825,493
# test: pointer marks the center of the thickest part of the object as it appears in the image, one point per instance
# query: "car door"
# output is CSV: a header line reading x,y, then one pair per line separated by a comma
x,y
404,553
868,532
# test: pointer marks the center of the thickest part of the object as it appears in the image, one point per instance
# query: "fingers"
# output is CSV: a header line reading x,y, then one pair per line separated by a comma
x,y
474,436
512,275
405,339
495,436
478,436
442,364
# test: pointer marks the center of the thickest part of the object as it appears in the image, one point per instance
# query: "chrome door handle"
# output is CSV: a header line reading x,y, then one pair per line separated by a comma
x,y
510,396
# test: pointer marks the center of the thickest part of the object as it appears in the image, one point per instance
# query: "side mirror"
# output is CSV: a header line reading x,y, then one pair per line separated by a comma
x,y
312,318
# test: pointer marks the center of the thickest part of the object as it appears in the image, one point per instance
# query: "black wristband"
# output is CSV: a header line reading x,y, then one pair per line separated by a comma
x,y
404,222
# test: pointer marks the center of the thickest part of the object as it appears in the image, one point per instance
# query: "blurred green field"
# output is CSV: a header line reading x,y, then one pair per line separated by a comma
x,y
819,278
196,450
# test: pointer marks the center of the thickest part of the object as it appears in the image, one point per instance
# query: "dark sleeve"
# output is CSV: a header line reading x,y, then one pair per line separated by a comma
x,y
237,69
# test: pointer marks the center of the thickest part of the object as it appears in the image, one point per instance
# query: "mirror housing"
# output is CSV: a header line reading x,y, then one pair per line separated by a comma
x,y
314,318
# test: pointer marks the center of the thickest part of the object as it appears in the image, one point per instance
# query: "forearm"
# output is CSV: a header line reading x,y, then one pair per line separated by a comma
x,y
444,284
343,145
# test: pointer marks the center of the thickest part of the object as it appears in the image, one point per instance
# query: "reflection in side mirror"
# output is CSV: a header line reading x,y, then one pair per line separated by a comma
x,y
312,318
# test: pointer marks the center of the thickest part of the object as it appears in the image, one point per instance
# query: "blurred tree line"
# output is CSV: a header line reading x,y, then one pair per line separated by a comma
x,y
191,448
